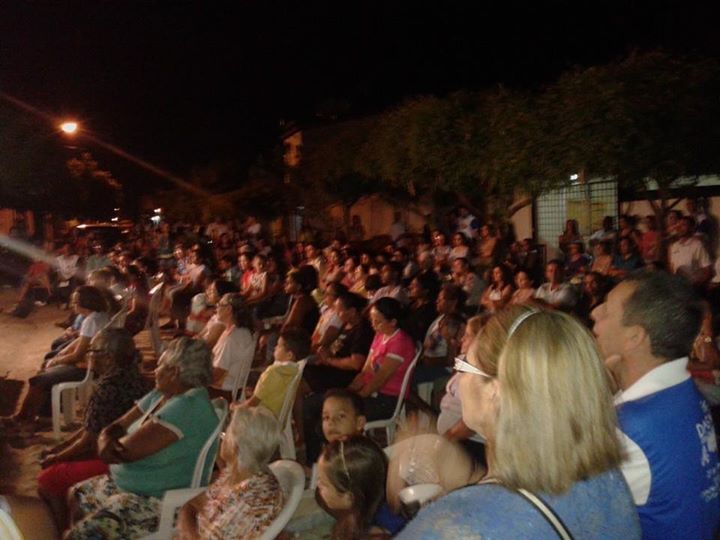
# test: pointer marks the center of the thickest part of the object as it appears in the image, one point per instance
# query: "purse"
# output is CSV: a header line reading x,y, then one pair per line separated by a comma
x,y
548,513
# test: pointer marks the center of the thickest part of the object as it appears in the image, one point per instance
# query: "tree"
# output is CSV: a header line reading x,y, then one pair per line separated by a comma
x,y
330,170
96,190
651,117
32,173
482,147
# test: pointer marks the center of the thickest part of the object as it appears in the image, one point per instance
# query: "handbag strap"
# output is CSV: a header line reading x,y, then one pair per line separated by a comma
x,y
541,506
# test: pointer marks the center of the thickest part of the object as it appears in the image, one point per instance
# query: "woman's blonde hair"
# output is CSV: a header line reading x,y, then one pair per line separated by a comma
x,y
556,421
474,324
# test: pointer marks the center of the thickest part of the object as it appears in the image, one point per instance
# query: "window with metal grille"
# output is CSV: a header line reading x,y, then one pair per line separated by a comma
x,y
586,203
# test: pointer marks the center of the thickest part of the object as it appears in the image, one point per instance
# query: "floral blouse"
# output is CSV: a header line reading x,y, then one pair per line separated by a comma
x,y
244,510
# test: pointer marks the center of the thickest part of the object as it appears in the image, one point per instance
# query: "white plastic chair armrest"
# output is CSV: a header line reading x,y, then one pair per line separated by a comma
x,y
173,499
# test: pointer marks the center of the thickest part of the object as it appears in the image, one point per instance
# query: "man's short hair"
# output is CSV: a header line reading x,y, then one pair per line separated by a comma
x,y
669,310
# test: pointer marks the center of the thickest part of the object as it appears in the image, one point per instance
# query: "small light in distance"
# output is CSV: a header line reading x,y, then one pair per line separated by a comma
x,y
158,210
115,219
155,219
574,177
69,127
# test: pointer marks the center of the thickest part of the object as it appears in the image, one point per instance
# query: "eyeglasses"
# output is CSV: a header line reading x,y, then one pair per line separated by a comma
x,y
465,367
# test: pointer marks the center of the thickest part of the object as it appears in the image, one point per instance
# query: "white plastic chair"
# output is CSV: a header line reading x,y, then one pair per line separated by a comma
x,y
425,391
151,323
8,529
238,391
291,476
175,498
287,443
391,423
67,396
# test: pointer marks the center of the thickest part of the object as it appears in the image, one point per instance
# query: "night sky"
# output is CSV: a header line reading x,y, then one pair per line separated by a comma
x,y
183,84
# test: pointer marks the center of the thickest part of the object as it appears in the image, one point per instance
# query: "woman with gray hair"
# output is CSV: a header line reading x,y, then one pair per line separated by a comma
x,y
151,449
233,353
247,497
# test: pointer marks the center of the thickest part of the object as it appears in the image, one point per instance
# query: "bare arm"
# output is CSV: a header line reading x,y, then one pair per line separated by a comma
x,y
187,519
252,401
330,335
218,376
387,368
83,444
149,439
350,363
357,382
297,313
211,334
73,354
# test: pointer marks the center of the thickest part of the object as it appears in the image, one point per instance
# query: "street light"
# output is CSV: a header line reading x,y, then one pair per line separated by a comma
x,y
69,127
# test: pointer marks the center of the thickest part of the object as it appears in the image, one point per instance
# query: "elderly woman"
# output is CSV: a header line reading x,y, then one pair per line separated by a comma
x,y
150,449
234,351
70,363
115,361
535,387
246,497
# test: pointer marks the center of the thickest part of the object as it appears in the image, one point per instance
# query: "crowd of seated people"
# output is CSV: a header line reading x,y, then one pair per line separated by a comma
x,y
523,394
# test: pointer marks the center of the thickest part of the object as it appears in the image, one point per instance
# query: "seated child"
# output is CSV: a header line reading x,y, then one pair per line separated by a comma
x,y
351,486
343,417
343,414
293,345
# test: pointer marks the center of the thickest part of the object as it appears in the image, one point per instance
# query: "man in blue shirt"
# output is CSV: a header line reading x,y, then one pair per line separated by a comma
x,y
646,329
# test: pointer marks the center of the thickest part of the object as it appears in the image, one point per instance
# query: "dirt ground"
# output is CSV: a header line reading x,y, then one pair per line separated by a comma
x,y
24,343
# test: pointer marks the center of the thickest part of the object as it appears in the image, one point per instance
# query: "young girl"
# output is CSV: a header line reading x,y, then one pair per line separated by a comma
x,y
351,486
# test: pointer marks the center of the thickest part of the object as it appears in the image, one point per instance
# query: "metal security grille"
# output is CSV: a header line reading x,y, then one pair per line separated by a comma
x,y
587,203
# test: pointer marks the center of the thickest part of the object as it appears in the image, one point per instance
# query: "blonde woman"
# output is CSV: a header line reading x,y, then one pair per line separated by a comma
x,y
535,387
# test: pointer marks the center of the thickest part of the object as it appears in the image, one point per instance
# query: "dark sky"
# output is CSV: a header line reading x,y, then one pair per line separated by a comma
x,y
184,83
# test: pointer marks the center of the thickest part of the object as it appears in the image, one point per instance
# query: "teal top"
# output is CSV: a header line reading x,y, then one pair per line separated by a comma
x,y
192,418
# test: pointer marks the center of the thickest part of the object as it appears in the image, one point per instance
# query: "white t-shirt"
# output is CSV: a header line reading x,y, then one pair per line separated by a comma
x,y
564,295
67,266
234,353
468,225
328,319
687,256
93,323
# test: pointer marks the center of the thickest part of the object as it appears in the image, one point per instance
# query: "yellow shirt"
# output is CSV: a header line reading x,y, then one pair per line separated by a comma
x,y
272,385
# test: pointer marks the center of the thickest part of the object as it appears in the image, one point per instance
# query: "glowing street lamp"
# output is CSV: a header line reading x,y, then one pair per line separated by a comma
x,y
69,127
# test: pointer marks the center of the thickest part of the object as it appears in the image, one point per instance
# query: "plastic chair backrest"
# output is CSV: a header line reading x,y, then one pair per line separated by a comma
x,y
8,529
241,379
284,415
291,477
151,323
203,465
406,380
154,305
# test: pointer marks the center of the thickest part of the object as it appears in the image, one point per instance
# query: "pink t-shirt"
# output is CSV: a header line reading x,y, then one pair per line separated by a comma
x,y
398,347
